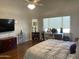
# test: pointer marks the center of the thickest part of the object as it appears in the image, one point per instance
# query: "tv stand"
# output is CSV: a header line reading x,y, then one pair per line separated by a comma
x,y
7,44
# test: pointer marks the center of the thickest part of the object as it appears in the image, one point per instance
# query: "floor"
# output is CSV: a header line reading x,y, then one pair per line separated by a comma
x,y
18,52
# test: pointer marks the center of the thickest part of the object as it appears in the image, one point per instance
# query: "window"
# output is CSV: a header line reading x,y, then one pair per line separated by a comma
x,y
57,22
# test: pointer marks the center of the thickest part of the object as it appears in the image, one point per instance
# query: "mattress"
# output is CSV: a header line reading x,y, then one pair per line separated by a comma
x,y
49,49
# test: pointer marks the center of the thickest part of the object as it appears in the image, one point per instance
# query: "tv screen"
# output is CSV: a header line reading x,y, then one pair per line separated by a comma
x,y
7,25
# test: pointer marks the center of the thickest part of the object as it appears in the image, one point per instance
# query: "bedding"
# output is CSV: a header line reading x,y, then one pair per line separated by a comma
x,y
49,49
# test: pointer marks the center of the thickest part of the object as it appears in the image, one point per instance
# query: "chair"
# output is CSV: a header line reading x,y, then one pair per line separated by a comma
x,y
42,34
66,38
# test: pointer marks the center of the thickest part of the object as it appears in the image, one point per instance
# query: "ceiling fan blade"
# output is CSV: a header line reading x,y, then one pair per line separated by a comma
x,y
39,4
35,1
28,1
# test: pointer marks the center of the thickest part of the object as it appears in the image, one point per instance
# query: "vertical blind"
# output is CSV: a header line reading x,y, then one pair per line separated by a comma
x,y
57,22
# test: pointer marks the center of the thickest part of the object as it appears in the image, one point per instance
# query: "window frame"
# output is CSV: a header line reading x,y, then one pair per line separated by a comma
x,y
65,30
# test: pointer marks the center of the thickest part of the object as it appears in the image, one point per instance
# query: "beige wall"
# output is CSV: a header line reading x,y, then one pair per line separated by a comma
x,y
74,28
56,8
15,9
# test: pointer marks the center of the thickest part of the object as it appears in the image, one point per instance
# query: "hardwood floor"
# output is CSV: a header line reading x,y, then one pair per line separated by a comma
x,y
17,53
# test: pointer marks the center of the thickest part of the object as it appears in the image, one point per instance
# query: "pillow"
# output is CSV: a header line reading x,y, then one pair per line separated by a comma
x,y
54,30
73,49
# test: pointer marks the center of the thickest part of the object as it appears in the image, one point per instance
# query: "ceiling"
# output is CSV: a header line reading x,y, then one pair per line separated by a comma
x,y
59,7
49,8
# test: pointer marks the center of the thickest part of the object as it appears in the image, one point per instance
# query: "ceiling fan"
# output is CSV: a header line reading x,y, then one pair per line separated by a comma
x,y
31,4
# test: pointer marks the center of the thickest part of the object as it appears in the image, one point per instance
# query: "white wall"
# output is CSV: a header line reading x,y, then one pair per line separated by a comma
x,y
75,26
15,9
56,8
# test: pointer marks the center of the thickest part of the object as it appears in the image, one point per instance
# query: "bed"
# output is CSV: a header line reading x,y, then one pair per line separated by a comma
x,y
51,49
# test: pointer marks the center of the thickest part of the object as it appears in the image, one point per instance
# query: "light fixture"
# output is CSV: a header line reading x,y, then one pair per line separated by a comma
x,y
31,6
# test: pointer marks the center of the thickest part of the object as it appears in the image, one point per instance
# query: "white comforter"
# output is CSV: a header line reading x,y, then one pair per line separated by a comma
x,y
49,49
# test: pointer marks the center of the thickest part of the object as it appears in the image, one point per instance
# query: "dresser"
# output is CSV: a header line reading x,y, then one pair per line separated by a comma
x,y
7,43
58,36
36,36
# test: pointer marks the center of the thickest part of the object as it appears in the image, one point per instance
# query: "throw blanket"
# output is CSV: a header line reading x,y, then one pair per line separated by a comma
x,y
49,49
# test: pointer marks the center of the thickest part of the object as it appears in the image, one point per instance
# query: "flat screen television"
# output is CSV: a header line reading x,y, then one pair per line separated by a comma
x,y
7,25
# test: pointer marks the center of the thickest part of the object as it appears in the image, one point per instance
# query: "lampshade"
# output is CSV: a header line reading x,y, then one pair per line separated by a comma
x,y
31,6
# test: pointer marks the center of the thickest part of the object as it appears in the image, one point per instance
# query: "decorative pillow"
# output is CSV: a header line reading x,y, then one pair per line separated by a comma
x,y
73,49
54,30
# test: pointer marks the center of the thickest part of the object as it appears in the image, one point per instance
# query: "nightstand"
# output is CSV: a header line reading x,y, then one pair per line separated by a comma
x,y
36,36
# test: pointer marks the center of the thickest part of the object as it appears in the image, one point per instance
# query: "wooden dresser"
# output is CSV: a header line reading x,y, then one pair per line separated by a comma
x,y
7,44
58,36
36,36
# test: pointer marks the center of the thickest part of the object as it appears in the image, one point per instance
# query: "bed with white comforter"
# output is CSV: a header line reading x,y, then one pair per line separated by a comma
x,y
49,49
